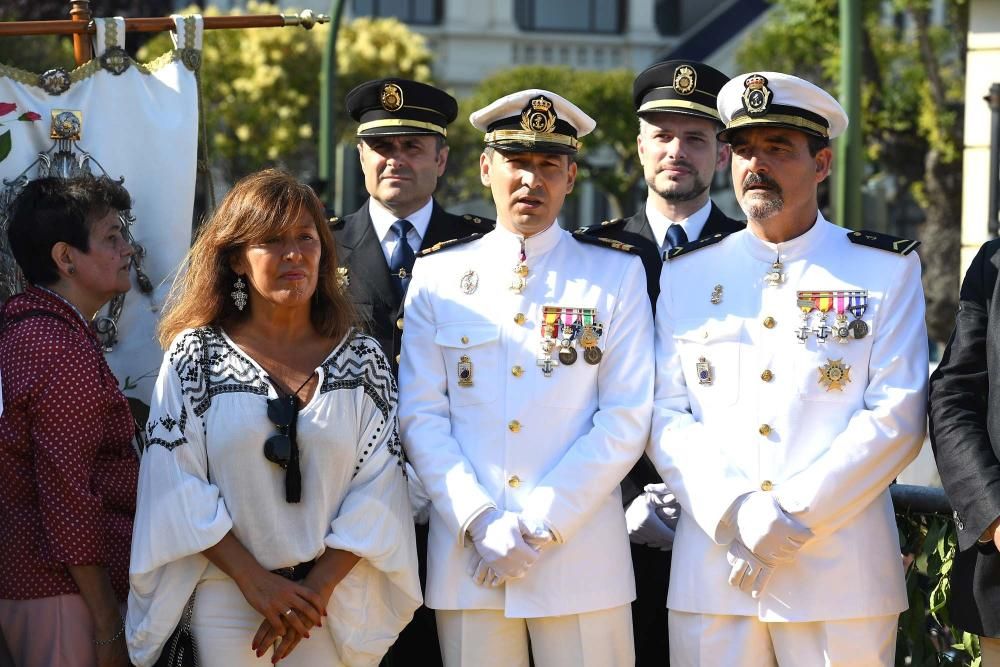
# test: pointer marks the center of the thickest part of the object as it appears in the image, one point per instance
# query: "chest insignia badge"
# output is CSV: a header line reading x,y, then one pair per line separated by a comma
x,y
834,374
469,281
704,370
465,371
716,298
776,275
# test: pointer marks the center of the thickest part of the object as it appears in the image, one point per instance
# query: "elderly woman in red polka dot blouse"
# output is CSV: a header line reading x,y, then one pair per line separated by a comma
x,y
68,471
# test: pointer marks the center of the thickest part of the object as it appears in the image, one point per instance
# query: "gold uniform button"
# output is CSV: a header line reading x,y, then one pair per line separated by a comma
x,y
514,481
766,485
465,340
764,430
514,426
520,318
769,322
397,359
517,371
399,324
767,375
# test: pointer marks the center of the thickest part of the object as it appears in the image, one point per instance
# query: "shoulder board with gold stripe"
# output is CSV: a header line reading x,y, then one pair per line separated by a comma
x,y
882,241
691,246
448,244
595,230
588,237
485,223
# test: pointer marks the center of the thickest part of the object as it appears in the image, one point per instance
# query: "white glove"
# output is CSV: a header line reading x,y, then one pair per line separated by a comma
x,y
497,537
536,533
750,574
483,574
765,529
420,502
652,517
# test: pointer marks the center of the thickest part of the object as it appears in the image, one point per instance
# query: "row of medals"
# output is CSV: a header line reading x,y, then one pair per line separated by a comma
x,y
823,301
561,328
839,301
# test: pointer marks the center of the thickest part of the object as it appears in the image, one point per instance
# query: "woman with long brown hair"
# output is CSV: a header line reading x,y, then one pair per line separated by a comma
x,y
271,494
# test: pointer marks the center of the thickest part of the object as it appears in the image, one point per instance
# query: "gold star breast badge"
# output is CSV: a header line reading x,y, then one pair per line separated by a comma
x,y
834,374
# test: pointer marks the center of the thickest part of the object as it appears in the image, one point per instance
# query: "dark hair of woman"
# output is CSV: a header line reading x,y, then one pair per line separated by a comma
x,y
258,207
50,210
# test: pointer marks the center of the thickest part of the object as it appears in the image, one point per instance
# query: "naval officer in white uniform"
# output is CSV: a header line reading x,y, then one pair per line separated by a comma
x,y
526,384
790,391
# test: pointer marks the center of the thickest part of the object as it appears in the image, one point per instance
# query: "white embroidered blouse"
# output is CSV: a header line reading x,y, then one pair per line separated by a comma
x,y
204,473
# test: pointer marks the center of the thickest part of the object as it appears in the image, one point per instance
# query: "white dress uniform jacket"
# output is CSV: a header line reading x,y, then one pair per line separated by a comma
x,y
553,448
764,421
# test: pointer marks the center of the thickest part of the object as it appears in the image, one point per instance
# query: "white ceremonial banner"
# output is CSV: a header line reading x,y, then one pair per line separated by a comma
x,y
139,122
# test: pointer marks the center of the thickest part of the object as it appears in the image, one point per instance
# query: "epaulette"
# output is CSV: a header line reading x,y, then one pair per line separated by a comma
x,y
691,246
448,244
331,219
586,237
485,223
881,241
604,226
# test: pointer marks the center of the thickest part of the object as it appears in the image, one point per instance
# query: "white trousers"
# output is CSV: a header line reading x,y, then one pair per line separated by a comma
x,y
224,625
487,638
706,640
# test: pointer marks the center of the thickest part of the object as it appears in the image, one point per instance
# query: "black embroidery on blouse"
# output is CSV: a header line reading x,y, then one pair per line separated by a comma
x,y
208,366
361,363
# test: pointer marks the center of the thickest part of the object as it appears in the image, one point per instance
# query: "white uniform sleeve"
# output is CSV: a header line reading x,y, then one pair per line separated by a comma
x,y
375,523
887,433
179,513
425,420
684,450
596,463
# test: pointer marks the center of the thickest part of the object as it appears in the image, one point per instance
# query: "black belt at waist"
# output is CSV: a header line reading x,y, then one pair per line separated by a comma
x,y
295,572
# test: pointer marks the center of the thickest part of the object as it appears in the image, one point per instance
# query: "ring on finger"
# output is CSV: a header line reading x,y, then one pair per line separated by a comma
x,y
287,612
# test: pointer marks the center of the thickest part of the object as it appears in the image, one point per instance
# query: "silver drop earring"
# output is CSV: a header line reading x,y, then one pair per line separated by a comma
x,y
239,293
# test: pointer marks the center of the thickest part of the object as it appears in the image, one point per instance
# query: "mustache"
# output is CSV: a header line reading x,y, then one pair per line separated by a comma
x,y
684,164
753,179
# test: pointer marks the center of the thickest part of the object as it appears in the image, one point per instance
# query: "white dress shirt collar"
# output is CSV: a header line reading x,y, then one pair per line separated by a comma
x,y
692,225
382,219
509,243
789,250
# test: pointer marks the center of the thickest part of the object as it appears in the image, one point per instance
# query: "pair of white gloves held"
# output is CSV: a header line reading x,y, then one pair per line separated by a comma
x,y
507,545
652,517
766,537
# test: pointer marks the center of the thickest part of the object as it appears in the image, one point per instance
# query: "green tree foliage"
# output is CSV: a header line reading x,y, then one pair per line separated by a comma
x,y
605,96
261,86
913,75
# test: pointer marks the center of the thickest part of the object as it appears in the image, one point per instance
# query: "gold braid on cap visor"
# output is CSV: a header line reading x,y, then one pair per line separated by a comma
x,y
531,137
659,105
402,122
780,119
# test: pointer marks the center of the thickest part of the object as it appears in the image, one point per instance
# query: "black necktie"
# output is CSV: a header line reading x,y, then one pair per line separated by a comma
x,y
675,237
401,262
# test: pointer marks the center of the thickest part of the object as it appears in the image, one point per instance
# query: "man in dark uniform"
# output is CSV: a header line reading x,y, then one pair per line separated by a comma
x,y
402,126
678,120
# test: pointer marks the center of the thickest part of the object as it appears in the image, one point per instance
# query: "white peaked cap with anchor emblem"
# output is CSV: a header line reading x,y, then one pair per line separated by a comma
x,y
533,120
783,100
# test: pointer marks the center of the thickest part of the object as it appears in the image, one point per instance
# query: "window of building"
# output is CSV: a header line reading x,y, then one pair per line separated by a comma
x,y
675,17
416,12
595,16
